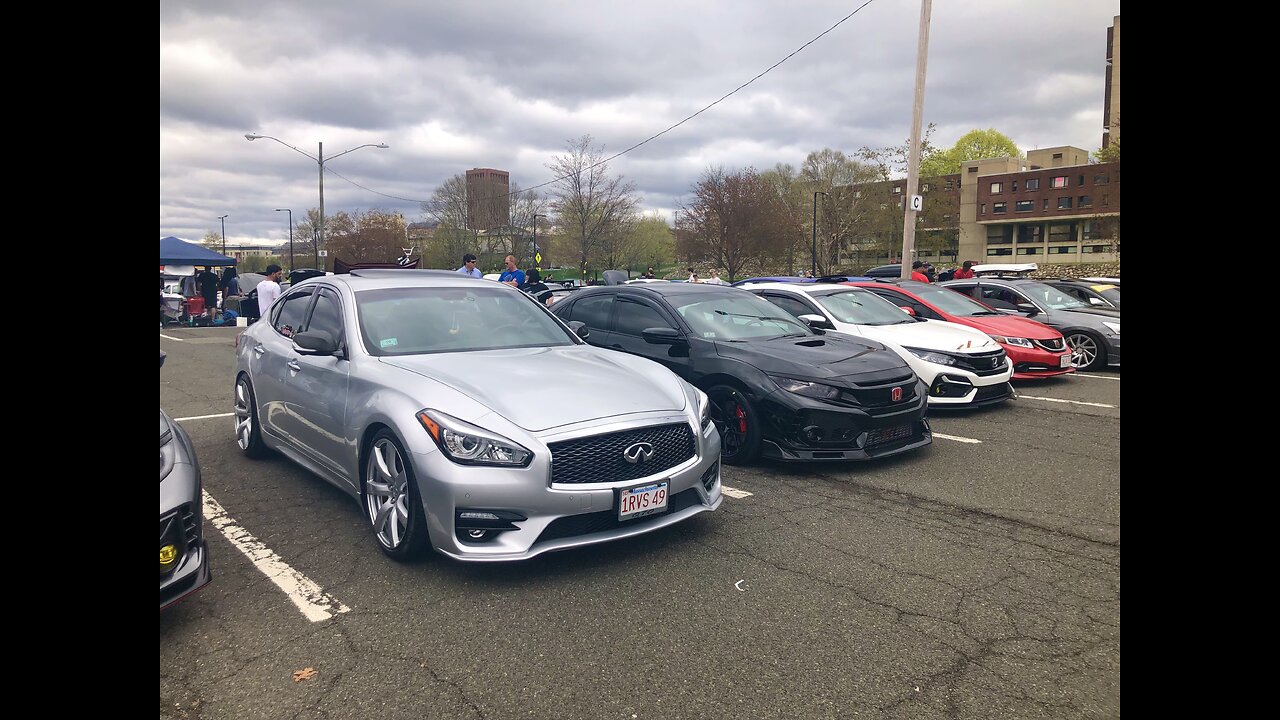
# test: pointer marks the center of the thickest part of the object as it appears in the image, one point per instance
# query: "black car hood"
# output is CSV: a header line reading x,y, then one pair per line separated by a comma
x,y
818,356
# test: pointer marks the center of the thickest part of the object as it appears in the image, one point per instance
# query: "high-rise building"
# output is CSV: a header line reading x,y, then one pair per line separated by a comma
x,y
488,198
1111,98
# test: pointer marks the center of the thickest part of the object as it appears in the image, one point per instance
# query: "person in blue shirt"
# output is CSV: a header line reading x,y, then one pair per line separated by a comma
x,y
469,266
512,276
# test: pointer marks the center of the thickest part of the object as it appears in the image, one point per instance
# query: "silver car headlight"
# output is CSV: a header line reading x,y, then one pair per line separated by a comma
x,y
1113,327
1015,341
931,356
806,388
168,454
704,410
467,444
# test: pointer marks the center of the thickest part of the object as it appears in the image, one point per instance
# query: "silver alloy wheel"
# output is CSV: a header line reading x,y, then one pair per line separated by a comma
x,y
387,493
1083,350
244,414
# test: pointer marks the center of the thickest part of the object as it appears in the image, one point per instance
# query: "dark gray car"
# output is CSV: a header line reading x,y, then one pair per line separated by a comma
x,y
1092,332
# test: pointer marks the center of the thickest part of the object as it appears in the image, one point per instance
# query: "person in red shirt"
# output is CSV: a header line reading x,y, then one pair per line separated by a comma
x,y
917,272
964,273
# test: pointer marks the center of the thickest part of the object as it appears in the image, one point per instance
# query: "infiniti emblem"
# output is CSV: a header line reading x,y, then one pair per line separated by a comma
x,y
641,452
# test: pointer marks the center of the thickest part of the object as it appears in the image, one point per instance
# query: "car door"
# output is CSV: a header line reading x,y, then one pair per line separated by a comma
x,y
595,310
270,368
317,387
632,315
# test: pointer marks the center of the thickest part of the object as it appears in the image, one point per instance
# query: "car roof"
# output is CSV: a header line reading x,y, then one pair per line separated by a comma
x,y
382,278
808,289
664,289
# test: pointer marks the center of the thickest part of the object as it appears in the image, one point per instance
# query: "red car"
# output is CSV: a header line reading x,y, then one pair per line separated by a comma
x,y
1035,349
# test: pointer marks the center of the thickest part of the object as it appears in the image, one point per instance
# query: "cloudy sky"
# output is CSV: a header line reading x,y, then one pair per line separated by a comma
x,y
453,85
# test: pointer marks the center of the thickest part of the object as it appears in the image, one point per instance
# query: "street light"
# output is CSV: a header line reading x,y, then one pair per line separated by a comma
x,y
814,251
319,161
536,262
290,211
223,218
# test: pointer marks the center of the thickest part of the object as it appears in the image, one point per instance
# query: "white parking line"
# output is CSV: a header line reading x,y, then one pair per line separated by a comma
x,y
203,417
170,337
310,598
1100,377
1073,402
957,438
734,492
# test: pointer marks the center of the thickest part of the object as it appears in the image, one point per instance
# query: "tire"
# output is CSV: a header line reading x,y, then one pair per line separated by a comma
x,y
389,496
738,422
248,430
1088,350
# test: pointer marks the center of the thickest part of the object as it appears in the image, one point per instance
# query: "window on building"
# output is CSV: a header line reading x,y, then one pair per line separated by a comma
x,y
1062,232
1029,250
998,208
1033,183
924,188
1084,201
1062,249
1104,199
1059,181
1029,234
1093,249
949,185
946,218
996,188
1024,205
999,251
1080,182
1101,179
973,169
1057,156
1013,186
982,209
857,194
897,189
1064,203
999,234
1046,204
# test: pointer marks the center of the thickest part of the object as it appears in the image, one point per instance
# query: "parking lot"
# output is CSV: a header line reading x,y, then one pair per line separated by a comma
x,y
977,578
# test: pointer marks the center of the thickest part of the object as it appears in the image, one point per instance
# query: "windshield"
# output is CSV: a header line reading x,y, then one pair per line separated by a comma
x,y
416,320
1050,296
1110,292
953,303
737,316
862,307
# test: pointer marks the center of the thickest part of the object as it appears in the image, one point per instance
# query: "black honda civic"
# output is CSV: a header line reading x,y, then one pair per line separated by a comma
x,y
778,387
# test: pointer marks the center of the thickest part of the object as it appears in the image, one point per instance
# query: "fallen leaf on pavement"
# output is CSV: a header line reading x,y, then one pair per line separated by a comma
x,y
300,675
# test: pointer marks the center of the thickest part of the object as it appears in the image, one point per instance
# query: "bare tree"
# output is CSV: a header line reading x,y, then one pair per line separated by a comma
x,y
589,203
845,213
792,194
733,221
372,236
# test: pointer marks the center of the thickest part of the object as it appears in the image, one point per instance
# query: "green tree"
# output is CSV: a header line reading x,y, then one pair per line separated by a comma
x,y
973,145
212,240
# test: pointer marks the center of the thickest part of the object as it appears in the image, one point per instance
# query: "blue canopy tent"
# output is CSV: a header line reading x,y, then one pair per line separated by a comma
x,y
174,251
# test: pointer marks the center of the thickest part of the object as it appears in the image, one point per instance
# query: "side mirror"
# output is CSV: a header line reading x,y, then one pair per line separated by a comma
x,y
315,342
908,310
816,321
580,329
662,336
1029,309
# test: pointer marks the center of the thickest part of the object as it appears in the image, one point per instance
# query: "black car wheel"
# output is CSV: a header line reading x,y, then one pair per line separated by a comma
x,y
739,424
248,434
1088,351
391,502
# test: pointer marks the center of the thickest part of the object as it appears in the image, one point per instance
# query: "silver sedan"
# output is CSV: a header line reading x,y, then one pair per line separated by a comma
x,y
463,416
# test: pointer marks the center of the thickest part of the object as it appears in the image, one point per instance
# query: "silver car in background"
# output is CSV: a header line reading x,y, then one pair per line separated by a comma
x,y
464,416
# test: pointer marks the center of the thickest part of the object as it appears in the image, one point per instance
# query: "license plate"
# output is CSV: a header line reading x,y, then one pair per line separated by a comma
x,y
1064,361
641,501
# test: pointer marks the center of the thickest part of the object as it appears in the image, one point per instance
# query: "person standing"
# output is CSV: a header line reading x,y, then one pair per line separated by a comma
x,y
269,289
513,275
208,283
648,274
469,266
693,276
230,286
535,287
964,273
928,270
917,272
715,278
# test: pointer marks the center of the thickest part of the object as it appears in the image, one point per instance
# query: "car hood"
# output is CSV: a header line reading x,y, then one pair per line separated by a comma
x,y
933,335
1010,326
1101,312
818,356
542,388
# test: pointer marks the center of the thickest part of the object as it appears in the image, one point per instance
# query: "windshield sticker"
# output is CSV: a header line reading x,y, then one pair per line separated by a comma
x,y
389,342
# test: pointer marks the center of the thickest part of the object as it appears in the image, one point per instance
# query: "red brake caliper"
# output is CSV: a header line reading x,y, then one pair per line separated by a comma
x,y
742,418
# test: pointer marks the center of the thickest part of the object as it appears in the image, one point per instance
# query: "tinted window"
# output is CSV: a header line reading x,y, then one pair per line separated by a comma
x,y
594,311
327,315
791,305
736,316
290,312
635,316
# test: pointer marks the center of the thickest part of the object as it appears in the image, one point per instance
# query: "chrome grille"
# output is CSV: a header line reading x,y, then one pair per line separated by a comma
x,y
599,458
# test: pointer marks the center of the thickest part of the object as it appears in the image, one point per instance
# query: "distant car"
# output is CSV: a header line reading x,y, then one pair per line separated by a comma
x,y
184,555
1092,333
638,280
463,416
961,366
1094,293
1035,349
778,388
885,271
775,278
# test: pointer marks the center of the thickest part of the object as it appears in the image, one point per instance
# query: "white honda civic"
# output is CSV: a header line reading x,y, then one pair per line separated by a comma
x,y
962,366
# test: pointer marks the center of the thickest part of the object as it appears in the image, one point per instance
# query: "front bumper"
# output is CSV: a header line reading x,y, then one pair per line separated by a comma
x,y
182,530
1031,363
802,429
956,387
1113,350
556,516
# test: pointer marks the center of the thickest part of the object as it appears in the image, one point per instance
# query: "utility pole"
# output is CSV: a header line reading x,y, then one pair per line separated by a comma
x,y
913,201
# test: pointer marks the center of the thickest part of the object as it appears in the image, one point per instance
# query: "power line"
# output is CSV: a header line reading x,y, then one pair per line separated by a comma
x,y
727,95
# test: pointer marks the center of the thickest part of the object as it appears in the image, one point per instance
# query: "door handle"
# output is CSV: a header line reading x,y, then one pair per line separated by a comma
x,y
293,365
259,349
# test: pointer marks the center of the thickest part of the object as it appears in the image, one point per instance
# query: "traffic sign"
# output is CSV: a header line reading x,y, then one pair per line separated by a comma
x,y
917,202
